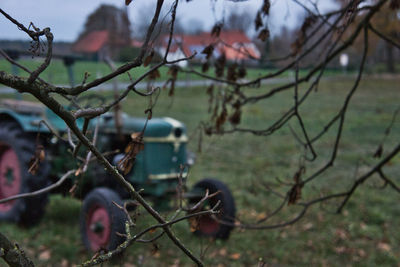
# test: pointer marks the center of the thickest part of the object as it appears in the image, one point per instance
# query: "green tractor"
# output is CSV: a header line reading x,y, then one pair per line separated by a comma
x,y
156,171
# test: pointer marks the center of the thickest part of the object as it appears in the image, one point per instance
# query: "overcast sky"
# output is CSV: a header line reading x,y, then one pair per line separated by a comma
x,y
66,18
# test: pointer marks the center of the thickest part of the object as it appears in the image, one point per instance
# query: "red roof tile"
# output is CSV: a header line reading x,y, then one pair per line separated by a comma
x,y
235,44
91,42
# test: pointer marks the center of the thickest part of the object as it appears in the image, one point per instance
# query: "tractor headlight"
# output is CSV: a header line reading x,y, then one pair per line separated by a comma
x,y
178,132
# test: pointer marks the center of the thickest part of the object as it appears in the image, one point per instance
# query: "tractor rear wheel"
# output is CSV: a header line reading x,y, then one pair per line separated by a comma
x,y
102,223
16,151
219,225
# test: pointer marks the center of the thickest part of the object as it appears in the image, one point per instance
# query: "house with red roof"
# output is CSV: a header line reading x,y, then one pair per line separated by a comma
x,y
234,44
96,45
93,45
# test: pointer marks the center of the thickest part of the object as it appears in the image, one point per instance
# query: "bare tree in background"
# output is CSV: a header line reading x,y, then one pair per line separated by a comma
x,y
329,34
238,20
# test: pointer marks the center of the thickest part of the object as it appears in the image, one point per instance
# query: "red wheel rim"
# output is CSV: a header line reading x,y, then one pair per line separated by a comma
x,y
10,176
207,225
98,228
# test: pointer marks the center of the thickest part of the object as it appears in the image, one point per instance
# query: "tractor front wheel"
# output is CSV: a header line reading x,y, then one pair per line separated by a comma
x,y
102,223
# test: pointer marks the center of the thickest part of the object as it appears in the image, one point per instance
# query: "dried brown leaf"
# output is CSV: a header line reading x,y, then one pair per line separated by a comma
x,y
149,58
36,159
220,65
297,45
205,67
265,7
193,224
132,149
308,22
235,256
235,117
45,255
384,247
231,73
242,72
295,194
378,153
208,51
208,130
258,23
172,88
221,119
264,34
154,74
216,30
173,71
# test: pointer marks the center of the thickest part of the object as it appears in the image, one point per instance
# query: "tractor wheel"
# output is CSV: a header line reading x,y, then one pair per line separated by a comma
x,y
206,225
16,151
102,223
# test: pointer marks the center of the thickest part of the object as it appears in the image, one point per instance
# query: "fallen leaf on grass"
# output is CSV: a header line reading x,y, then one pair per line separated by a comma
x,y
222,252
361,253
341,234
64,263
308,226
340,250
156,255
235,256
45,255
363,226
384,247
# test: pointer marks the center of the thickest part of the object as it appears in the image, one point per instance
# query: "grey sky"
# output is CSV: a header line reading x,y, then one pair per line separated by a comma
x,y
66,18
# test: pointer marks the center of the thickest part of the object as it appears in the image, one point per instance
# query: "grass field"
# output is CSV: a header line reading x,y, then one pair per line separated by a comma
x,y
366,234
57,73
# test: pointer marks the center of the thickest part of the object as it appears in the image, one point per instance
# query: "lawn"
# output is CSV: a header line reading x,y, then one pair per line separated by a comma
x,y
365,234
57,73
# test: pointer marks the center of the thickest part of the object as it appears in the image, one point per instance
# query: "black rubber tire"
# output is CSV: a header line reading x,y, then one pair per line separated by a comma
x,y
26,211
227,207
104,197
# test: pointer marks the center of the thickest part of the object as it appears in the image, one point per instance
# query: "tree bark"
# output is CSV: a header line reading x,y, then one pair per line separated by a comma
x,y
12,254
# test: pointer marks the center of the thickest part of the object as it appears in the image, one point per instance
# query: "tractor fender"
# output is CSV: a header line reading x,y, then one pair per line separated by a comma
x,y
27,122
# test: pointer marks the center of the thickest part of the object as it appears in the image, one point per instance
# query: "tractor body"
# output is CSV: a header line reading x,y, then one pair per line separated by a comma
x,y
156,167
157,171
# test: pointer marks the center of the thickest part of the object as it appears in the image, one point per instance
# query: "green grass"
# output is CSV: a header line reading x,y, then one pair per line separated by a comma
x,y
57,73
366,234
